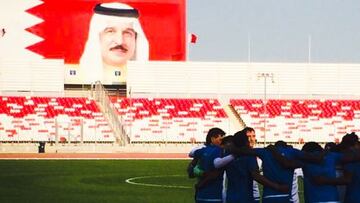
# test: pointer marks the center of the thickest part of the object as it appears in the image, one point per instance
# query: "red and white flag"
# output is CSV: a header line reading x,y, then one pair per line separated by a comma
x,y
193,38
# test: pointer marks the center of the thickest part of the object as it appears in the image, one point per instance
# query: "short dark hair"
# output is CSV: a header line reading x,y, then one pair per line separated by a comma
x,y
331,146
281,143
349,140
213,132
227,139
241,139
248,129
312,147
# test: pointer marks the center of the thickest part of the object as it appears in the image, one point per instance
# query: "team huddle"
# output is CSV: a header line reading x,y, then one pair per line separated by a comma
x,y
227,168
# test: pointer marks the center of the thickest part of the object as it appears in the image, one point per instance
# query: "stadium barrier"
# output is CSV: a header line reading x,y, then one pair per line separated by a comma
x,y
101,96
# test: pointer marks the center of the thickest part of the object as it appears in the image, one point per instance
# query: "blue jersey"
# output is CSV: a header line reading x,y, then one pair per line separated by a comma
x,y
275,172
321,193
240,181
353,189
211,192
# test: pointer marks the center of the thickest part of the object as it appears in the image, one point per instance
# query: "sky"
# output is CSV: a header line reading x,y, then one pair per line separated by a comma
x,y
316,31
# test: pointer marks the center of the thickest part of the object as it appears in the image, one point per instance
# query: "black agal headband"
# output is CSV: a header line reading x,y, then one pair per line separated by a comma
x,y
131,13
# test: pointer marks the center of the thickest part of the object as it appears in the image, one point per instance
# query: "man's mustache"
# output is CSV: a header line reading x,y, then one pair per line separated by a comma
x,y
121,47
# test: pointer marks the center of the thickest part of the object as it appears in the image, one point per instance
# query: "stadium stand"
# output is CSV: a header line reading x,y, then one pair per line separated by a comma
x,y
169,119
172,120
51,119
300,120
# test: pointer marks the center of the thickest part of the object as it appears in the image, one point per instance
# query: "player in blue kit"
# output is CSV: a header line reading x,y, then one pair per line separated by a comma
x,y
313,191
277,172
352,170
289,159
241,173
210,158
250,133
350,146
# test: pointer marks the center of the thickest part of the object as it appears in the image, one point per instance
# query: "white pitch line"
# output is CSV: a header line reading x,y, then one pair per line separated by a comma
x,y
131,181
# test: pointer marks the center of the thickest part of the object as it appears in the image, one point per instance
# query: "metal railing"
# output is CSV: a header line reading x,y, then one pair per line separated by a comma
x,y
101,96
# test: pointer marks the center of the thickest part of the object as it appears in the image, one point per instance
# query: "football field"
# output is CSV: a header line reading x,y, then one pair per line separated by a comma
x,y
97,181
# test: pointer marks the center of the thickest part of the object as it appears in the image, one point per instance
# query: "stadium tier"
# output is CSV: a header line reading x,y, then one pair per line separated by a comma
x,y
168,119
300,120
32,119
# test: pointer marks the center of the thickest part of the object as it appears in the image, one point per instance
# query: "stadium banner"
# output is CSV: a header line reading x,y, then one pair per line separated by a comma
x,y
94,38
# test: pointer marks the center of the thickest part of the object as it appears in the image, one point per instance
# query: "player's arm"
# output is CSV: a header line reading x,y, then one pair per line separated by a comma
x,y
219,163
315,158
255,173
268,183
223,161
191,169
342,180
239,151
350,157
207,177
193,150
282,160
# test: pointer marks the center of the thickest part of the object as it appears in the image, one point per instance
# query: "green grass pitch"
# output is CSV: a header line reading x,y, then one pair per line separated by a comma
x,y
94,181
154,181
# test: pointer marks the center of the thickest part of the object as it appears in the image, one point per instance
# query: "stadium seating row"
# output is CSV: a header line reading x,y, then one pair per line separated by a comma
x,y
33,119
47,107
168,119
300,120
27,119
